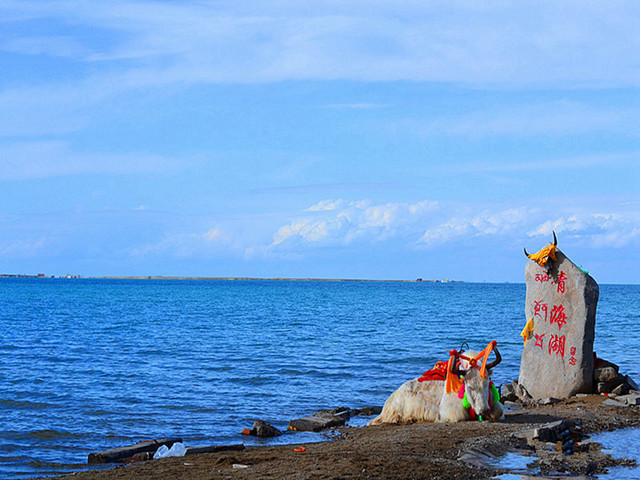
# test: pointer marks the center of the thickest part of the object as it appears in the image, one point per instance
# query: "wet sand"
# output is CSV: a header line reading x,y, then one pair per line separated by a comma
x,y
420,451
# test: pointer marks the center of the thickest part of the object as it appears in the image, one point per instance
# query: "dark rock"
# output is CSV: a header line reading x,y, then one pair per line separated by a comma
x,y
621,389
264,430
344,414
551,432
366,411
605,374
522,393
557,360
320,421
605,387
631,383
609,387
508,392
601,362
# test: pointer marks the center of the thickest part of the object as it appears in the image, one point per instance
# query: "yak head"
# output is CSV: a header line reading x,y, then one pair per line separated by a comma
x,y
546,254
476,385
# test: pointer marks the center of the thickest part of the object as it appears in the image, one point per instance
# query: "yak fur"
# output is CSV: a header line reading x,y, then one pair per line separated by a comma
x,y
427,401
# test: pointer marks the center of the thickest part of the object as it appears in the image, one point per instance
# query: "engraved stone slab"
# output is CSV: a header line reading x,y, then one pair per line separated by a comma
x,y
557,360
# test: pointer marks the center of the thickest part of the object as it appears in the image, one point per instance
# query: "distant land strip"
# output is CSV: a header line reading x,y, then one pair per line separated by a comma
x,y
281,279
258,279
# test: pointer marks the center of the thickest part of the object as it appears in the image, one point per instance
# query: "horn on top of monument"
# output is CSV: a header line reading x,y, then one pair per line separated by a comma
x,y
544,255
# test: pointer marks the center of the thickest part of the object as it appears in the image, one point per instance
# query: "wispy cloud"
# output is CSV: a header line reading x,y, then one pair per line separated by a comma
x,y
53,46
207,244
356,106
418,41
42,159
613,161
592,230
486,223
25,248
334,187
122,48
526,120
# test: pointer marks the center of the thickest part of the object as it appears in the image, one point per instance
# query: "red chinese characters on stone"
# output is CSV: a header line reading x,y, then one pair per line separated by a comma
x,y
572,360
539,307
556,345
558,316
560,282
540,340
541,277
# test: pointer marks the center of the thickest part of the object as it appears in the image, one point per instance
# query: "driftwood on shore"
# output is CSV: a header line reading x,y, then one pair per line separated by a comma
x,y
122,454
144,451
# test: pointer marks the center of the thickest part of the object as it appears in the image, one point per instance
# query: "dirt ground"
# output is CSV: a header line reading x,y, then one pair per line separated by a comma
x,y
417,451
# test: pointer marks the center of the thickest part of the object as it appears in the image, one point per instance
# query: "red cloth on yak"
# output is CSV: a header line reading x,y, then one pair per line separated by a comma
x,y
438,372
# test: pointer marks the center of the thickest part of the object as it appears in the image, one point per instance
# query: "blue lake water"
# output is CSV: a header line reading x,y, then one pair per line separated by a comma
x,y
89,365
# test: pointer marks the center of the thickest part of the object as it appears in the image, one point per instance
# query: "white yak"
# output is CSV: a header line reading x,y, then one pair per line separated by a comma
x,y
428,401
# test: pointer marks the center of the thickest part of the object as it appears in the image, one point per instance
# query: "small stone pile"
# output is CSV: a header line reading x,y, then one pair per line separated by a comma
x,y
560,447
607,380
564,434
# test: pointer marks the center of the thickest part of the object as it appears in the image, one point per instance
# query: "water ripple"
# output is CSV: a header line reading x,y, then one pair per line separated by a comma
x,y
96,364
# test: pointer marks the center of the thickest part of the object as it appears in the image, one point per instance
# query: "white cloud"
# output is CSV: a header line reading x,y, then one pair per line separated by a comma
x,y
309,231
214,235
342,223
187,245
500,223
325,205
599,230
429,225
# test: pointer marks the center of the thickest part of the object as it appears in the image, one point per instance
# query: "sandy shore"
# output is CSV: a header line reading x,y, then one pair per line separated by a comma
x,y
419,451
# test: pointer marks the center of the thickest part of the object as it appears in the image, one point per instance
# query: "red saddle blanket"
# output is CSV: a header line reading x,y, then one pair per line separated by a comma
x,y
438,372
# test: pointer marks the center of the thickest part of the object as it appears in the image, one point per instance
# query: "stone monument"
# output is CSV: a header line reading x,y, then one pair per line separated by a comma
x,y
560,308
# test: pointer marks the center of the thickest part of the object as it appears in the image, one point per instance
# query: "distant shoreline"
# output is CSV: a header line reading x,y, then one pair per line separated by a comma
x,y
272,279
261,279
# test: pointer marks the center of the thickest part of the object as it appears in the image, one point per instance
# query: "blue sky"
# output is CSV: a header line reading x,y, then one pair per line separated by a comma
x,y
361,139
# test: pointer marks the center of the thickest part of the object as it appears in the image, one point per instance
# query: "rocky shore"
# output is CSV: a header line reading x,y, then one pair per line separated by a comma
x,y
419,451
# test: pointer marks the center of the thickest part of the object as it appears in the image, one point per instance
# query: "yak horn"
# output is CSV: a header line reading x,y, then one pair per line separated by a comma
x,y
457,371
555,239
497,360
525,252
